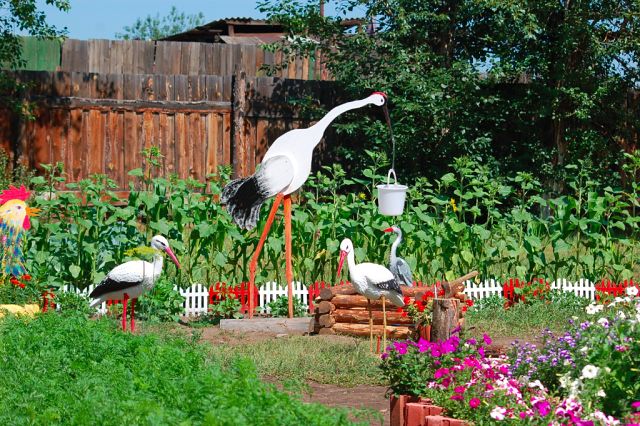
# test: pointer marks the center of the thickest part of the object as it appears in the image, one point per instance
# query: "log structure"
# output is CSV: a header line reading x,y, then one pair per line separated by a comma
x,y
341,310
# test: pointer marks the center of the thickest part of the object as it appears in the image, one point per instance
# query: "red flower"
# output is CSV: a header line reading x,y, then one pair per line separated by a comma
x,y
469,302
26,277
464,308
474,403
440,292
21,285
404,314
399,310
420,306
406,300
428,295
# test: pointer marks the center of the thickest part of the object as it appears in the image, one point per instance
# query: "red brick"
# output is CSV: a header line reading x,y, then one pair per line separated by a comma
x,y
434,421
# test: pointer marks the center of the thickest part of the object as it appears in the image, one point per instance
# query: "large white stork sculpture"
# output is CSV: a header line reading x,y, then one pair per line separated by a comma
x,y
285,168
130,279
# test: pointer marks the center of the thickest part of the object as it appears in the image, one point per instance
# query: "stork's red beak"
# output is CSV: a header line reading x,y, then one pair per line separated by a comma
x,y
172,256
343,255
388,230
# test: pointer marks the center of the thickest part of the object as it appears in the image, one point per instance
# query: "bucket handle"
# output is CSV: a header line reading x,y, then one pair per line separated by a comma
x,y
395,179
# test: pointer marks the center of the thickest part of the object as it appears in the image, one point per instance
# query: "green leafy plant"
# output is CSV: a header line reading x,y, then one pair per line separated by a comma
x,y
280,307
164,378
162,303
70,303
227,307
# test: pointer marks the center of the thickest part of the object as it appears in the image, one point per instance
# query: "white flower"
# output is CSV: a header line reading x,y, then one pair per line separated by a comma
x,y
592,309
584,349
632,291
536,384
621,315
601,393
564,381
498,413
604,322
589,371
606,420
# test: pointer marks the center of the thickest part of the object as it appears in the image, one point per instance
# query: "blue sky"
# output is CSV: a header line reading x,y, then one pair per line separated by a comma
x,y
102,19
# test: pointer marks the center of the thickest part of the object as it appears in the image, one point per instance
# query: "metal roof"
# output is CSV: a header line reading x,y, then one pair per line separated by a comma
x,y
231,27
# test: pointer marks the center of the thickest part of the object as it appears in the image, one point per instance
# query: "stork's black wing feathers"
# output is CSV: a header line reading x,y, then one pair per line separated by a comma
x,y
108,285
391,285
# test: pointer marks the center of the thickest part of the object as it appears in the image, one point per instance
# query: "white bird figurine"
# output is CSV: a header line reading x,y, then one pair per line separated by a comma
x,y
285,168
397,265
131,279
373,282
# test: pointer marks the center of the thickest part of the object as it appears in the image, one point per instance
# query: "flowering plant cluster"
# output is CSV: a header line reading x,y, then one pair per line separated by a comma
x,y
594,361
19,290
458,376
421,309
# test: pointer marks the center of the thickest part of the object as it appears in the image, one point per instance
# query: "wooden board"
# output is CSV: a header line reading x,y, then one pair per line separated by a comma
x,y
294,326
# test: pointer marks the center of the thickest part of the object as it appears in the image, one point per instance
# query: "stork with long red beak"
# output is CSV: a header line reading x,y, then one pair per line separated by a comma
x,y
285,168
373,282
131,279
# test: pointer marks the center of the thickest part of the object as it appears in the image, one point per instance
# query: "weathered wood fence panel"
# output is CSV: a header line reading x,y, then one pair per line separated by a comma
x,y
100,123
162,57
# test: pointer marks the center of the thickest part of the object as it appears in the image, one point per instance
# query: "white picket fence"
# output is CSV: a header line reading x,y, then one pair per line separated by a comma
x,y
271,290
197,296
582,287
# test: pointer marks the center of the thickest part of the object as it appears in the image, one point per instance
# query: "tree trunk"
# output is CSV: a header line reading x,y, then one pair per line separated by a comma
x,y
325,307
393,332
362,316
347,301
445,319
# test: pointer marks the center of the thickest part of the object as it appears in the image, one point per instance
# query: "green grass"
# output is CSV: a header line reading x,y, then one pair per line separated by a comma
x,y
523,321
70,370
344,361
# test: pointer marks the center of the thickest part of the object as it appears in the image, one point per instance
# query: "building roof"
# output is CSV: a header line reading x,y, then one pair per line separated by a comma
x,y
232,31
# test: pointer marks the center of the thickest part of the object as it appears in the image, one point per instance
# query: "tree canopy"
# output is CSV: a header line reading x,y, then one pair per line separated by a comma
x,y
155,27
515,84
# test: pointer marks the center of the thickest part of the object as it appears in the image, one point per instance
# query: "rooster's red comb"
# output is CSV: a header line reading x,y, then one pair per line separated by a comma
x,y
14,193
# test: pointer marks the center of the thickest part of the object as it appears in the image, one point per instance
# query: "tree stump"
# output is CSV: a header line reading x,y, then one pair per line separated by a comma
x,y
445,318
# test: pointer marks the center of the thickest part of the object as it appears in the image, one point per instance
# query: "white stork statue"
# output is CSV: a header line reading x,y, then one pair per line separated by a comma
x,y
285,168
373,282
397,265
131,279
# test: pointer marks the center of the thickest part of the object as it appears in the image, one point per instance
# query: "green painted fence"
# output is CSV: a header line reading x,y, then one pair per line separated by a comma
x,y
40,55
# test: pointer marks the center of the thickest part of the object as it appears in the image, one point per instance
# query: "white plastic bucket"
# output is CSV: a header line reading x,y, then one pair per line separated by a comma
x,y
391,196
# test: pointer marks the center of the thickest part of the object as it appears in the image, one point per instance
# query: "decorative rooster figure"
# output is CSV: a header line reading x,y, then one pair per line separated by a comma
x,y
397,265
14,222
373,282
130,279
285,168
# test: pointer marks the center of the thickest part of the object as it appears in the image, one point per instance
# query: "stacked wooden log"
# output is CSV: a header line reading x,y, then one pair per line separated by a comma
x,y
341,310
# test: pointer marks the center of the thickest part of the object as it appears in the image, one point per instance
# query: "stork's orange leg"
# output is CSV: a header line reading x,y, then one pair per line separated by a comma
x,y
287,251
125,299
132,325
256,254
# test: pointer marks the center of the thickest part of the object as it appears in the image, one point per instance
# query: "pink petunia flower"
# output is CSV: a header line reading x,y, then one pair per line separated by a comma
x,y
487,340
498,413
474,403
459,389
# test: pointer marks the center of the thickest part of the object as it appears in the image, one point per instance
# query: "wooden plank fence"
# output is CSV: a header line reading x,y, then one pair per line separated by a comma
x,y
198,297
162,57
100,123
